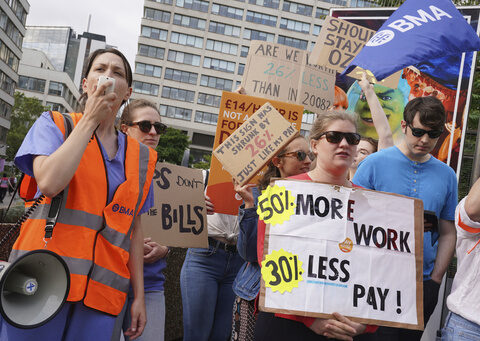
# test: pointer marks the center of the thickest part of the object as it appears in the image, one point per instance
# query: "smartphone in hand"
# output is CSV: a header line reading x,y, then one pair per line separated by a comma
x,y
104,79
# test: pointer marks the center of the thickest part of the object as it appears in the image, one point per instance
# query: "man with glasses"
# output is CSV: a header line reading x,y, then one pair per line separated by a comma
x,y
410,170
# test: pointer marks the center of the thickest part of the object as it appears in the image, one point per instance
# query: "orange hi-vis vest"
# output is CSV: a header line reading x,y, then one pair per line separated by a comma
x,y
92,237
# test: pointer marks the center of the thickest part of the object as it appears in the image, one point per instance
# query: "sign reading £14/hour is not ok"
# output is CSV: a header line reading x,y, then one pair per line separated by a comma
x,y
333,249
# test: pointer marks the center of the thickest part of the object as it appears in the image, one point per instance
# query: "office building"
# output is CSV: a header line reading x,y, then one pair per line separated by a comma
x,y
13,14
191,50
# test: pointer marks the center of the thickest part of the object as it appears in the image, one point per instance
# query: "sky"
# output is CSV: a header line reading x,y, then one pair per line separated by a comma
x,y
117,20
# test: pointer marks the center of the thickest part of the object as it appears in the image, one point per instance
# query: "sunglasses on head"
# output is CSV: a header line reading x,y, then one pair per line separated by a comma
x,y
433,134
146,126
338,136
300,155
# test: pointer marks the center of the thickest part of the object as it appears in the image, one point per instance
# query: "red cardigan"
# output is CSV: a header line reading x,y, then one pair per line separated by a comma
x,y
308,321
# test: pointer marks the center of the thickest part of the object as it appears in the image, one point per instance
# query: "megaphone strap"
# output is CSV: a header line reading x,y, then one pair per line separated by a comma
x,y
53,212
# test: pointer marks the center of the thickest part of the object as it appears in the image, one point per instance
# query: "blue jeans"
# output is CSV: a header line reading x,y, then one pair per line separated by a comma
x,y
207,296
74,322
458,329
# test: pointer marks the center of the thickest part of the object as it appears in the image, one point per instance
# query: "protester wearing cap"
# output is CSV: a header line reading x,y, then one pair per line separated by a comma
x,y
410,170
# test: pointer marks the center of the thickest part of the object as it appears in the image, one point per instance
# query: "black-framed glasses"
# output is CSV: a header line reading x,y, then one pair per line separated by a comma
x,y
300,155
338,136
145,126
433,134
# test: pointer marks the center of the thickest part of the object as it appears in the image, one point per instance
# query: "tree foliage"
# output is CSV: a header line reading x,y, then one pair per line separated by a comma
x,y
24,113
172,145
204,163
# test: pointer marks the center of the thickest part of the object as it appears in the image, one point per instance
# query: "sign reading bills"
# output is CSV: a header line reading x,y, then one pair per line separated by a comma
x,y
254,143
283,73
336,249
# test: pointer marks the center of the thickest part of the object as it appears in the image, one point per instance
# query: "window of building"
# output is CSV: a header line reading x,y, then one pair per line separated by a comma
x,y
294,25
55,88
206,117
166,2
154,33
258,35
5,109
295,7
175,112
261,18
10,29
56,107
197,5
145,88
344,2
210,100
186,21
221,46
293,42
7,84
265,3
186,39
241,68
183,58
178,94
227,11
228,30
151,51
32,84
321,13
148,70
155,14
308,117
216,83
203,140
244,51
181,76
219,64
316,30
8,56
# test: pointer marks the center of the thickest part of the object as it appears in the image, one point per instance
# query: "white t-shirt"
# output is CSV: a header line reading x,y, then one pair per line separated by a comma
x,y
464,298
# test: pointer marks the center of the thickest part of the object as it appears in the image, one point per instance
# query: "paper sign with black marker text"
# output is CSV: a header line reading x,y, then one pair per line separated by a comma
x,y
178,217
336,249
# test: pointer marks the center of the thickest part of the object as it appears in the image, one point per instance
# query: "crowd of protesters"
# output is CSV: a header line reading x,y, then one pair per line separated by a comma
x,y
121,291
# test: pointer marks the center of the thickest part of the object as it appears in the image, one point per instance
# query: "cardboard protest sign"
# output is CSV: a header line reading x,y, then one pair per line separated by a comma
x,y
252,145
178,217
336,249
235,109
339,42
280,72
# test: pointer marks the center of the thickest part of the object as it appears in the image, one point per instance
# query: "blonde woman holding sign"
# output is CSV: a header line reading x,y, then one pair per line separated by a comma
x,y
333,140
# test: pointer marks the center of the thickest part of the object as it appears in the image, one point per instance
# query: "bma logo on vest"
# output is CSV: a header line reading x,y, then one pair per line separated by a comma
x,y
122,209
407,23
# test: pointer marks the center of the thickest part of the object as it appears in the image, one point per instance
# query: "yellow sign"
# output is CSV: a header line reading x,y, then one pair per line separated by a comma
x,y
282,271
275,205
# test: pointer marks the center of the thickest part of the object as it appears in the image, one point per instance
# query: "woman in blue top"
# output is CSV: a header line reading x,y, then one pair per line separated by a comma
x,y
294,159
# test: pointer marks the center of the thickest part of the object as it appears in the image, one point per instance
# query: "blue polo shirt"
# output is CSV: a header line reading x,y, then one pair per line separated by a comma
x,y
433,182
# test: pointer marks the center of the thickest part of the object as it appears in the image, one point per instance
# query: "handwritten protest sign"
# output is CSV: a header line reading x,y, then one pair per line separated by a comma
x,y
178,217
253,144
339,42
336,249
280,72
235,109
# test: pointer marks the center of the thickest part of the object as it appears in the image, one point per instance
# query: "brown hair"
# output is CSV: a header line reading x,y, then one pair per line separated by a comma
x,y
132,106
87,65
324,119
272,170
430,109
372,141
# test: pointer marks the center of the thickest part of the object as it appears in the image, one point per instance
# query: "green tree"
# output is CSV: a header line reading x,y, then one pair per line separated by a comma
x,y
24,113
205,163
171,146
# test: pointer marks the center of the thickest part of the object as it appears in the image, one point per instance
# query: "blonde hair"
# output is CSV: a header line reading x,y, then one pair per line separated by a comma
x,y
324,119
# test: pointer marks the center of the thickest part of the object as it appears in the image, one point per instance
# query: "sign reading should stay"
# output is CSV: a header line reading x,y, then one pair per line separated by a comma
x,y
336,249
279,72
178,217
254,143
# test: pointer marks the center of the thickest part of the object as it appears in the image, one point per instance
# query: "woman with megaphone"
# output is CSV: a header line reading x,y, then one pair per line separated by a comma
x,y
101,181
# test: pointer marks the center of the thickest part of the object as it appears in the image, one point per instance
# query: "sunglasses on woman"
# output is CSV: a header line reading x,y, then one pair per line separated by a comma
x,y
300,155
338,136
146,126
433,134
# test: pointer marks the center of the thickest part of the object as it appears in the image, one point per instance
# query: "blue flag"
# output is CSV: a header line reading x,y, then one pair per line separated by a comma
x,y
418,31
